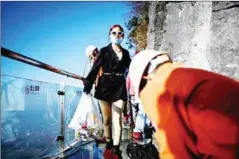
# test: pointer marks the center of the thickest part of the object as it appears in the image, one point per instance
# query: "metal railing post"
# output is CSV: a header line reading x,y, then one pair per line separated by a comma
x,y
61,138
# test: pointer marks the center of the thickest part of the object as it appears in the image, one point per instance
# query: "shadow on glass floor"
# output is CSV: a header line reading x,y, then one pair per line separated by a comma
x,y
87,150
91,150
79,150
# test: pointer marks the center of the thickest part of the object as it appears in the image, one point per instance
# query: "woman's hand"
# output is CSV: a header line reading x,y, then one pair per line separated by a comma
x,y
87,86
84,80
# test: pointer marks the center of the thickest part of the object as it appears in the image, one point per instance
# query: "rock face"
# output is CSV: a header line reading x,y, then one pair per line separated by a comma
x,y
201,34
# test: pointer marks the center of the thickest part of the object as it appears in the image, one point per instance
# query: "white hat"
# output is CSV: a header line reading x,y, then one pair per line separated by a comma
x,y
139,64
89,50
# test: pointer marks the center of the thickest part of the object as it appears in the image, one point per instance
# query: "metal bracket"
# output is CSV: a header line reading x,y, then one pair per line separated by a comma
x,y
61,93
60,138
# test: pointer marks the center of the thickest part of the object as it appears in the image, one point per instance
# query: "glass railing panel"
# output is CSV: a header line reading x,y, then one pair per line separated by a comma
x,y
72,97
30,117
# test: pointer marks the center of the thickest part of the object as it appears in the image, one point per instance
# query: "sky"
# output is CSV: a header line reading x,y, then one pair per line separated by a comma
x,y
57,33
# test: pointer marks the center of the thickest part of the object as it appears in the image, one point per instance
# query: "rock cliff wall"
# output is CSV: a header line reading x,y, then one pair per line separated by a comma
x,y
201,34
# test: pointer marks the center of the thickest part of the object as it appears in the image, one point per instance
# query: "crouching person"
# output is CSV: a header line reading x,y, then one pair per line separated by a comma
x,y
142,123
195,112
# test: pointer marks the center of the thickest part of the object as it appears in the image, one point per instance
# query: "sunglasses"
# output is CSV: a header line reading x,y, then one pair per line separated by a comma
x,y
119,33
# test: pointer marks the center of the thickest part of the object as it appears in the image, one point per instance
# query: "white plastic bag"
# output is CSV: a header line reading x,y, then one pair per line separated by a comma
x,y
87,112
141,119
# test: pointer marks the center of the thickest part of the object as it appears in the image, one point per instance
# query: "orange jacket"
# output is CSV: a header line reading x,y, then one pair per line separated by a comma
x,y
197,113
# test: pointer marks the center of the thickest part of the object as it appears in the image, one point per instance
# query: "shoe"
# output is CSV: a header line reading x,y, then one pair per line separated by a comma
x,y
108,153
116,154
108,150
137,135
138,141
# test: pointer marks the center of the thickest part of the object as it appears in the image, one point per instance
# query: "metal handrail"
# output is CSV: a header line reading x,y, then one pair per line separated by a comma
x,y
16,56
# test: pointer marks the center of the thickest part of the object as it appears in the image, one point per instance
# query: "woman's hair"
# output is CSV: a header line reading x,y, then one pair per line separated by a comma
x,y
115,26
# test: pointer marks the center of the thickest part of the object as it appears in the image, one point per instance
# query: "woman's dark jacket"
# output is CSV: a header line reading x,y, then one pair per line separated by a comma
x,y
111,85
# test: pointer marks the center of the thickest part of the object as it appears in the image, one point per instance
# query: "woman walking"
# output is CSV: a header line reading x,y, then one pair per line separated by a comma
x,y
111,88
